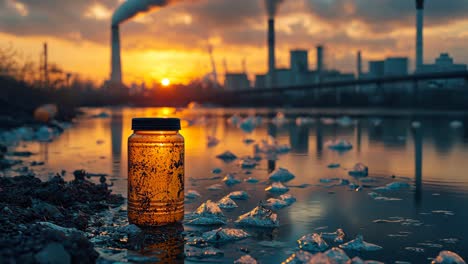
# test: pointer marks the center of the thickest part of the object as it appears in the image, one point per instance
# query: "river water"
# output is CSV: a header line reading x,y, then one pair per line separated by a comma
x,y
431,156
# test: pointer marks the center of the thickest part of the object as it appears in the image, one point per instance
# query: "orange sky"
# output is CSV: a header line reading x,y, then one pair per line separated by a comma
x,y
172,42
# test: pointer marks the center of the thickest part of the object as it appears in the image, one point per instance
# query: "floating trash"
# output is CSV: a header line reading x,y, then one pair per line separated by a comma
x,y
259,217
246,259
275,204
281,175
333,165
216,171
215,187
288,198
300,257
224,235
394,186
337,236
248,163
312,243
238,195
359,170
252,180
230,180
208,213
448,257
304,121
212,141
227,203
227,156
359,244
192,194
207,252
456,124
339,145
337,255
277,188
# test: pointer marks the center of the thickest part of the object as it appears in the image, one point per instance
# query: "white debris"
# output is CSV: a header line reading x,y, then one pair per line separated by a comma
x,y
304,121
339,145
312,242
281,175
277,188
211,141
448,257
215,187
227,203
359,244
208,213
223,235
227,156
192,194
359,170
456,124
275,204
246,259
230,180
337,236
252,180
288,198
394,186
238,195
337,255
259,217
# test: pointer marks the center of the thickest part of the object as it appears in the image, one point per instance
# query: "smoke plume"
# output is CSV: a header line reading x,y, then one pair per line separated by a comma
x,y
272,7
131,8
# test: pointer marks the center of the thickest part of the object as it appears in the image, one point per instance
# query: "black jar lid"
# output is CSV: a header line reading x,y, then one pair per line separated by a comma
x,y
164,124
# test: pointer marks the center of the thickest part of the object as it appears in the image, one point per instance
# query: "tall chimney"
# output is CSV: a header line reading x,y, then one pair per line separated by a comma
x,y
319,59
419,34
271,52
359,64
116,73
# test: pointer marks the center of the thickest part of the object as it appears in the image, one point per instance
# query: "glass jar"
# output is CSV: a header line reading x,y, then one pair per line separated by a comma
x,y
155,172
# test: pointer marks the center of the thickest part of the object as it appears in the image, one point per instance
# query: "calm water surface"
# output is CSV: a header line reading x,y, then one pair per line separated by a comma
x,y
432,158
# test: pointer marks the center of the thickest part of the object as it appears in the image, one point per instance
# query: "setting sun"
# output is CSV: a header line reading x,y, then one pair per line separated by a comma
x,y
165,82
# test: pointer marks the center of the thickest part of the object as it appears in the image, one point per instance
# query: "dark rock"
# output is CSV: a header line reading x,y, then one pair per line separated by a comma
x,y
53,253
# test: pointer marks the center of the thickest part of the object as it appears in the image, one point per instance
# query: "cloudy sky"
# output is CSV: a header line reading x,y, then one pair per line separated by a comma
x,y
172,42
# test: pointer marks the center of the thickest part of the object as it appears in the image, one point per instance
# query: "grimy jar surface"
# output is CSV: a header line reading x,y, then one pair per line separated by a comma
x,y
155,178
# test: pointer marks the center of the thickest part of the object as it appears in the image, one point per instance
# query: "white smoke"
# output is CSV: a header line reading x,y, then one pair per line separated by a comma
x,y
272,7
131,8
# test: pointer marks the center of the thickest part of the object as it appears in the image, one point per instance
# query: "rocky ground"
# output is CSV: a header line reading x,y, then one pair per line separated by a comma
x,y
45,222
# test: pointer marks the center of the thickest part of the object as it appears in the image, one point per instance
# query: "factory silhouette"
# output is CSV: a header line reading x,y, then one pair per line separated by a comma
x,y
385,80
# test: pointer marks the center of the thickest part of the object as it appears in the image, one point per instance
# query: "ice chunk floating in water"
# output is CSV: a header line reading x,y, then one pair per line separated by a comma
x,y
393,186
249,124
208,213
194,252
281,175
337,236
259,217
227,203
337,255
230,180
339,145
288,198
359,170
252,180
192,194
275,204
221,235
246,259
312,242
359,244
448,257
238,195
277,188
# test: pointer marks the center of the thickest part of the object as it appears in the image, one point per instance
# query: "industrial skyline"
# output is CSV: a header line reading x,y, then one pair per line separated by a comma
x,y
157,45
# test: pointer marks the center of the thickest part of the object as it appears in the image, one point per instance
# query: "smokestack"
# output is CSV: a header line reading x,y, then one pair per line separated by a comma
x,y
319,59
419,34
359,64
116,73
271,51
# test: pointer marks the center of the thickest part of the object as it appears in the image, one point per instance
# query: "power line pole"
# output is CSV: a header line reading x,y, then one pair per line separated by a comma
x,y
46,70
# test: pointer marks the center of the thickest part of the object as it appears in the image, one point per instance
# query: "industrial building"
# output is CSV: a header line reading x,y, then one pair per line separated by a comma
x,y
236,81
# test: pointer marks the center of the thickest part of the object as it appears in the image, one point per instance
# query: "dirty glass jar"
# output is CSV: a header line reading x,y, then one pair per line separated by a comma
x,y
155,172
